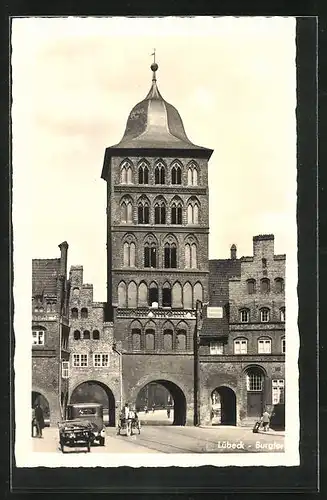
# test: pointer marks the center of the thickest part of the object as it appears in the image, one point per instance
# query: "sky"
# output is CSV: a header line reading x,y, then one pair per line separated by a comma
x,y
75,81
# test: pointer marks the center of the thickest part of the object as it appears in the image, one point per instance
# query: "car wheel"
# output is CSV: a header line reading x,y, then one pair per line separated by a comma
x,y
62,447
101,441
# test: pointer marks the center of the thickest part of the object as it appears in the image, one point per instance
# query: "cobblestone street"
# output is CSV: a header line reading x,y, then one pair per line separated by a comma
x,y
174,439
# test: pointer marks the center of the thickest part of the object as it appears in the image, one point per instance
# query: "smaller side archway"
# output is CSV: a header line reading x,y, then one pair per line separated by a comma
x,y
223,406
92,391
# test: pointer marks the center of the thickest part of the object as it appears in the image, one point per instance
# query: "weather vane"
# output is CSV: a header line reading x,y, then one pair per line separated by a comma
x,y
154,56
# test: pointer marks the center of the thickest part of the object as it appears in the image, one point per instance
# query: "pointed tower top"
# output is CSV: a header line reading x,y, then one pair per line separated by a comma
x,y
154,123
154,65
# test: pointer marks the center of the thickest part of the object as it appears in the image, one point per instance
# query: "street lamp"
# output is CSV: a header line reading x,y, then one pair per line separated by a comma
x,y
196,345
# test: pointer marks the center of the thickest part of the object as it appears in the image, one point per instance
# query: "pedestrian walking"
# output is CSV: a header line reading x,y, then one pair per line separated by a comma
x,y
33,423
265,419
39,420
168,412
145,409
153,408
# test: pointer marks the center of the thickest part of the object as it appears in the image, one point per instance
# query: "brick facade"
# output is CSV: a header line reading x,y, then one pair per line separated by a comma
x,y
230,283
50,329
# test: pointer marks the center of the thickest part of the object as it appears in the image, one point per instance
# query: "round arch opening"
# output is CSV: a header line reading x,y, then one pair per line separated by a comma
x,y
161,402
40,399
255,386
96,392
223,406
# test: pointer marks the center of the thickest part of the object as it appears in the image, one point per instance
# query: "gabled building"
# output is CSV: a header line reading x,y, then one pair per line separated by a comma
x,y
243,350
50,333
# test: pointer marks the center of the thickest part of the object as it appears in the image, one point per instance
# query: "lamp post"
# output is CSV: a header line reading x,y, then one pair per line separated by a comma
x,y
196,345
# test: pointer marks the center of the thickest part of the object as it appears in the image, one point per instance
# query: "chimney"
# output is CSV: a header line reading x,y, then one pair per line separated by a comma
x,y
233,252
63,258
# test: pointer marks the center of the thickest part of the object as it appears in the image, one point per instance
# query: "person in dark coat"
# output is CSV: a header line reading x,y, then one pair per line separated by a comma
x,y
39,420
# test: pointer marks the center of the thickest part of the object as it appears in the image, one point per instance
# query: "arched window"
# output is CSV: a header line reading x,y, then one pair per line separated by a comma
x,y
190,255
160,212
181,340
143,211
265,285
282,314
74,313
264,345
176,174
129,254
142,295
176,212
177,296
132,295
168,339
77,335
170,255
193,212
126,173
84,313
197,293
136,339
150,252
96,335
279,285
244,315
187,296
159,173
166,295
240,346
75,292
126,209
264,315
264,263
192,175
153,293
254,380
250,286
86,335
143,172
122,302
149,339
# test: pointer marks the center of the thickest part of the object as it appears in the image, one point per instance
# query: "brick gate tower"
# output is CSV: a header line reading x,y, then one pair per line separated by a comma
x,y
157,248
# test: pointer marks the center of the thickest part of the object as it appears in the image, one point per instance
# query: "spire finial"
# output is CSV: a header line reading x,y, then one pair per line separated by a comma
x,y
154,65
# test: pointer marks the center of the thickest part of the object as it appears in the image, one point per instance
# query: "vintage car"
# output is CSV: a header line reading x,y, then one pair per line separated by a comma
x,y
75,433
92,414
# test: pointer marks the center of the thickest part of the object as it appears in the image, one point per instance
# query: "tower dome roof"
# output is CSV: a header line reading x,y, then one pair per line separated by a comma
x,y
154,123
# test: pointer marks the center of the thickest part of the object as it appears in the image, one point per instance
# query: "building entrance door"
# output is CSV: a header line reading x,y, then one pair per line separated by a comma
x,y
254,404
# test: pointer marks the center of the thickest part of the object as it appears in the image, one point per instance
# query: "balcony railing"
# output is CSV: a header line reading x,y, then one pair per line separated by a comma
x,y
147,312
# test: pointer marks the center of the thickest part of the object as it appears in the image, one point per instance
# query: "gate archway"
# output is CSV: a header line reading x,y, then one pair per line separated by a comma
x,y
39,398
171,398
93,391
223,404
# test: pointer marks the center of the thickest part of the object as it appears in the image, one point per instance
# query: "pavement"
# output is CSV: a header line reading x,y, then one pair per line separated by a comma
x,y
176,439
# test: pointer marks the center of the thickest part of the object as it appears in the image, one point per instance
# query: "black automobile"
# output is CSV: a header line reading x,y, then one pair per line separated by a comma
x,y
74,433
91,414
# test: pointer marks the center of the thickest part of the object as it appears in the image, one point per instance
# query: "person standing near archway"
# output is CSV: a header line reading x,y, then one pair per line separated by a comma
x,y
39,420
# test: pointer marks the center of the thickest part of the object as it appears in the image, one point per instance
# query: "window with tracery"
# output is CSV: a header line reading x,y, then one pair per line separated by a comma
x,y
143,173
176,174
176,216
143,212
159,173
160,212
